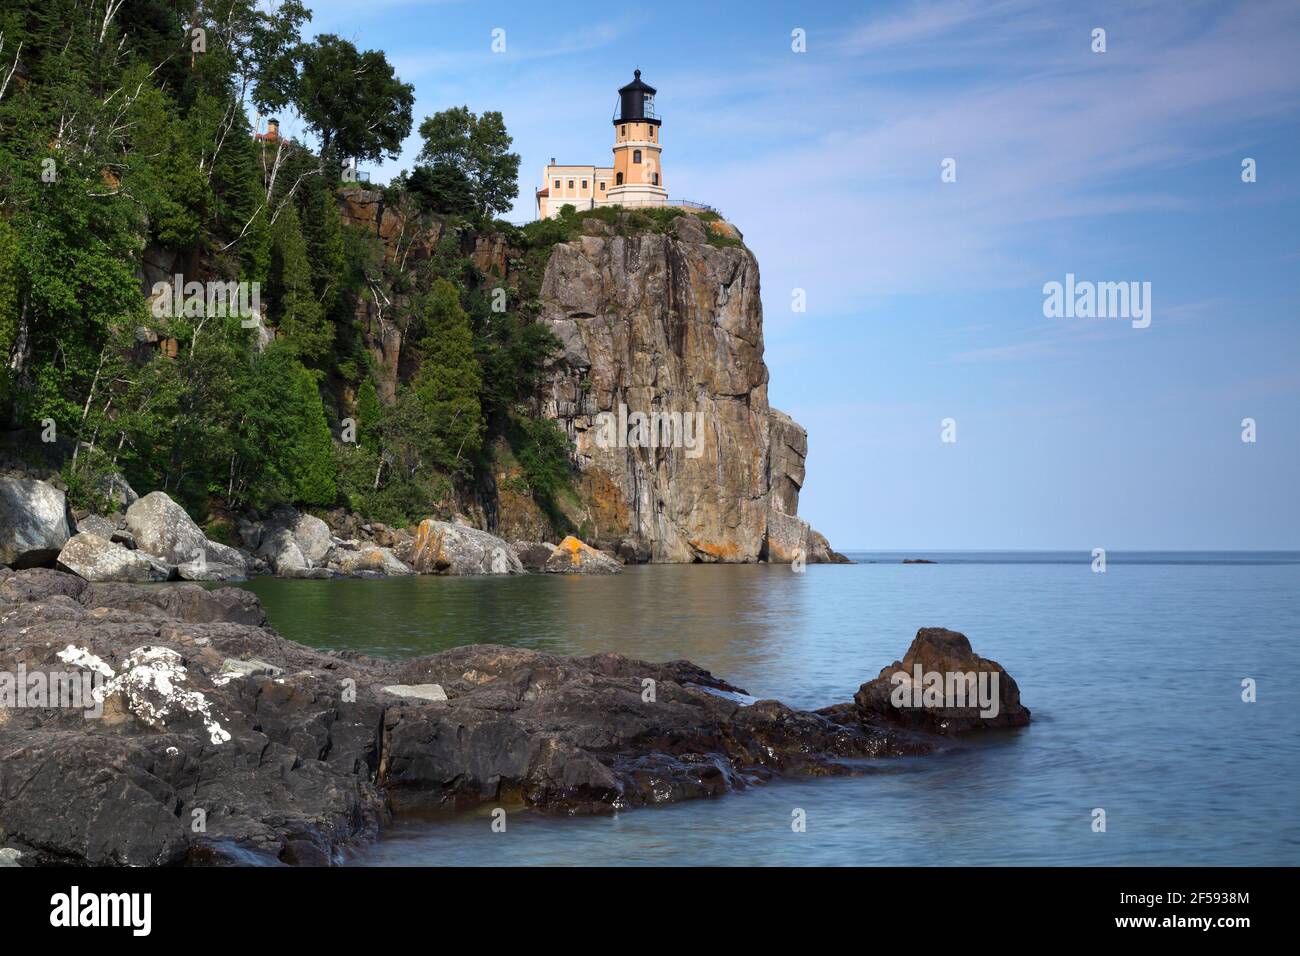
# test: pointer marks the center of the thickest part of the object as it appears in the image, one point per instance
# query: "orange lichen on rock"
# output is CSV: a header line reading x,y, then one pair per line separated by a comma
x,y
726,551
571,556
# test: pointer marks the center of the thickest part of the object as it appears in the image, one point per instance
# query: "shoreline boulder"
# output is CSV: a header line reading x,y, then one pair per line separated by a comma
x,y
366,561
33,522
572,556
441,547
94,558
533,554
95,524
164,529
291,542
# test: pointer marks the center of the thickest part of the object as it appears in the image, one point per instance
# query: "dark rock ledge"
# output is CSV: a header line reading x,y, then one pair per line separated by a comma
x,y
292,755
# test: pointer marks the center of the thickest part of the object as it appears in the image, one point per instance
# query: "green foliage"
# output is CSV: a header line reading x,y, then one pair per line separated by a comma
x,y
86,480
369,416
274,54
295,310
281,432
353,100
322,227
542,449
309,460
477,147
442,188
123,154
9,303
442,406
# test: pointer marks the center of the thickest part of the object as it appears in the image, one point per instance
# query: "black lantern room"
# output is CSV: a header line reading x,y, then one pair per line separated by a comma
x,y
636,102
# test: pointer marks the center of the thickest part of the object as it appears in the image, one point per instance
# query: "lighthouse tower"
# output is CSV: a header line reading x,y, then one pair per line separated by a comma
x,y
638,168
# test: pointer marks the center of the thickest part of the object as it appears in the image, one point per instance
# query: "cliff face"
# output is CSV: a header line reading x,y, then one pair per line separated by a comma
x,y
672,324
648,323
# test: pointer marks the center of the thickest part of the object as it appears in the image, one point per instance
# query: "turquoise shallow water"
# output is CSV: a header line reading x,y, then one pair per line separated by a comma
x,y
1134,678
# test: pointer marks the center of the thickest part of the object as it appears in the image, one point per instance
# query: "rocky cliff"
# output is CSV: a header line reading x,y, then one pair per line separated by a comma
x,y
672,325
650,324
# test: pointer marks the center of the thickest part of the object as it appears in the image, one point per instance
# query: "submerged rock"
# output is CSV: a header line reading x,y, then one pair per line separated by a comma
x,y
33,522
571,556
294,755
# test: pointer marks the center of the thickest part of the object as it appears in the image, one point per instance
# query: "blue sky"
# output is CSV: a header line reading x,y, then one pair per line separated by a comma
x,y
924,298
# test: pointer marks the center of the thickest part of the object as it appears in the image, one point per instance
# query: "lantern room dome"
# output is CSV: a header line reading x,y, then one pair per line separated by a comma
x,y
636,102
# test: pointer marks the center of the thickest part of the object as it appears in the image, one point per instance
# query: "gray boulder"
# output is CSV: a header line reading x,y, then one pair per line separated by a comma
x,y
33,522
227,557
97,559
280,550
206,570
290,542
313,537
312,574
161,527
94,524
533,554
232,669
441,547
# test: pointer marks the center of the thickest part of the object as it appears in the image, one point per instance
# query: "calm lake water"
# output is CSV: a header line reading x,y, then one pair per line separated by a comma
x,y
1133,676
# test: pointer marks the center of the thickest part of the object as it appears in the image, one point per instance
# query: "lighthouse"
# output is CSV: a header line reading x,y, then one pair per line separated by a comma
x,y
637,176
638,163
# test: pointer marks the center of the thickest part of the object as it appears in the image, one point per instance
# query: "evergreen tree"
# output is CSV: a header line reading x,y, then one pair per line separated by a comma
x,y
369,415
294,309
448,417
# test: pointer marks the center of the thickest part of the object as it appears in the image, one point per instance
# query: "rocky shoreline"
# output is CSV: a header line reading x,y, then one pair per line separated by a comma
x,y
218,741
154,539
